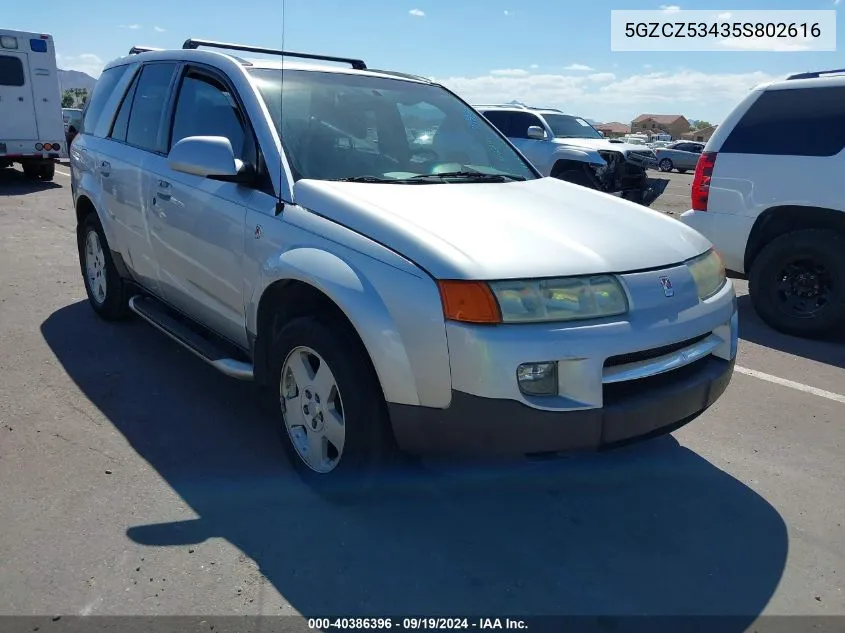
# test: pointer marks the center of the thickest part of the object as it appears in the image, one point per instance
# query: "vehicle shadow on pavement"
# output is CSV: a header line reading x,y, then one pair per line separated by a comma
x,y
14,183
830,351
648,529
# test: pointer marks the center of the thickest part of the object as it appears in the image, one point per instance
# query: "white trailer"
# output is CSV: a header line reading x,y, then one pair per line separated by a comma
x,y
31,128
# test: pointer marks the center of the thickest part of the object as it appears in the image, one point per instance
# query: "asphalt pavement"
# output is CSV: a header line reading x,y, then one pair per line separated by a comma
x,y
134,479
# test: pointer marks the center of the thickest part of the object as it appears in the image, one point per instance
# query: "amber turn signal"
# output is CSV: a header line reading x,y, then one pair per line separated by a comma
x,y
469,302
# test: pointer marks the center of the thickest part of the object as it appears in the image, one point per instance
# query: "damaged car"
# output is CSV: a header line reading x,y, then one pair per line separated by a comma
x,y
570,148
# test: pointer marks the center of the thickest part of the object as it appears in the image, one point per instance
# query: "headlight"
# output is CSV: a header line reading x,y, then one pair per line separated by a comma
x,y
564,299
708,272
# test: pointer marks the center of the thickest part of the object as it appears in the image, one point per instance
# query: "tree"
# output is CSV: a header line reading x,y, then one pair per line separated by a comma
x,y
67,99
74,97
700,125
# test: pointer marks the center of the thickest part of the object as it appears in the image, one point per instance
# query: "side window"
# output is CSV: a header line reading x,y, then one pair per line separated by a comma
x,y
793,122
521,121
121,122
11,71
148,106
103,89
206,108
501,119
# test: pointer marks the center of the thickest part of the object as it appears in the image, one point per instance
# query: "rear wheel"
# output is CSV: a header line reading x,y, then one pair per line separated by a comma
x,y
666,164
31,170
47,171
797,282
103,283
331,410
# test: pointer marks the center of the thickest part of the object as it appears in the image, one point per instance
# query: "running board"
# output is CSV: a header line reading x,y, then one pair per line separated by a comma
x,y
157,315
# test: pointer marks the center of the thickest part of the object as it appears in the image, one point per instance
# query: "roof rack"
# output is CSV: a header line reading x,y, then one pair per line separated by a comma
x,y
520,106
357,64
816,75
137,50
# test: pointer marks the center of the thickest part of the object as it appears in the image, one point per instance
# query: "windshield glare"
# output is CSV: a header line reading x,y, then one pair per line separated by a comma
x,y
565,126
338,126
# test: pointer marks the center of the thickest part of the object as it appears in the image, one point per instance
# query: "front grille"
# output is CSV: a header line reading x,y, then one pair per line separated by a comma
x,y
619,392
634,357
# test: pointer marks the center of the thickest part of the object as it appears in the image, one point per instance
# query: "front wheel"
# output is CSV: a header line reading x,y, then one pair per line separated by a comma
x,y
797,282
331,410
575,176
665,165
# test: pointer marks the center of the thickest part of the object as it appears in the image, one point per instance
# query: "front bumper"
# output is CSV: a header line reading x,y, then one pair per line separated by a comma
x,y
658,367
474,425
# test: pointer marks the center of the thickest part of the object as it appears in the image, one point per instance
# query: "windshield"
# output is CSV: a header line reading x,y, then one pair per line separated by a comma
x,y
565,126
338,127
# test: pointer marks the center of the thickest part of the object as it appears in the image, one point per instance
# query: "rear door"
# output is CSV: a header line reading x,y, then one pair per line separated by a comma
x,y
17,109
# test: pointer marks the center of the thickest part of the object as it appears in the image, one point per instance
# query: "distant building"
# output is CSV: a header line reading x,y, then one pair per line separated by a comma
x,y
614,129
674,124
703,135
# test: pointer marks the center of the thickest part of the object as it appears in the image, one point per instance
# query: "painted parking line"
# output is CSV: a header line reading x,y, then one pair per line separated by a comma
x,y
59,171
791,384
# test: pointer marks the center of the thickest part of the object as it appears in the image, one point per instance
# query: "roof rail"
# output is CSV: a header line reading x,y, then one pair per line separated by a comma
x,y
519,106
816,75
137,50
357,64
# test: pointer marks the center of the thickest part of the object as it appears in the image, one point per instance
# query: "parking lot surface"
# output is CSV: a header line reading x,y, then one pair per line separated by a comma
x,y
134,479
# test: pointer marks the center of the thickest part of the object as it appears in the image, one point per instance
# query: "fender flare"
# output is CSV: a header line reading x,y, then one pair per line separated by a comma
x,y
590,157
359,300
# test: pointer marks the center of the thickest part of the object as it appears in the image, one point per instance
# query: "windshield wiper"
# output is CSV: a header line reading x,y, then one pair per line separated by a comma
x,y
469,175
364,179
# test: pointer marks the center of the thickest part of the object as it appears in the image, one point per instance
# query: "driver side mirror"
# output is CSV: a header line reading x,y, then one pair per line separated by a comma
x,y
537,133
209,157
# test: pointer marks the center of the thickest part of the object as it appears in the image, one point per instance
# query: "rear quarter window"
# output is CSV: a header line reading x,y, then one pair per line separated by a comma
x,y
102,91
792,122
11,71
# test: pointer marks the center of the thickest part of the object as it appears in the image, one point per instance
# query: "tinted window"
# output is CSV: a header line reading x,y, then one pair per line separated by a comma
x,y
501,120
11,71
102,91
148,106
797,122
206,108
121,122
521,121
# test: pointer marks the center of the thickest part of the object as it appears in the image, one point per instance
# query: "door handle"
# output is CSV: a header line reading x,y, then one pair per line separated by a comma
x,y
105,168
163,184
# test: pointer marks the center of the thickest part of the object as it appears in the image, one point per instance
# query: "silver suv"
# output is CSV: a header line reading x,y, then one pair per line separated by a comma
x,y
568,147
282,225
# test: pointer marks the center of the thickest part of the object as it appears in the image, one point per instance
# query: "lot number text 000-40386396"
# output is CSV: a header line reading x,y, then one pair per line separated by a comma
x,y
672,29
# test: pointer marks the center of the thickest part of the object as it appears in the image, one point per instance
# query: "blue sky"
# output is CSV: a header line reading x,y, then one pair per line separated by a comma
x,y
544,52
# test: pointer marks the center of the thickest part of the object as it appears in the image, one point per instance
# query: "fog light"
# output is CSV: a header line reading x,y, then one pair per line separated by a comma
x,y
537,379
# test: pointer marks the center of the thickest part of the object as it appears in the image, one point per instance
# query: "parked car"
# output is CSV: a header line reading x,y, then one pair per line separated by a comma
x,y
72,119
569,148
771,204
680,155
462,304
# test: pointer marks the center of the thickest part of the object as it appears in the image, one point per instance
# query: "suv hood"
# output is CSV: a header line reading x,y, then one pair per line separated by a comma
x,y
487,231
602,143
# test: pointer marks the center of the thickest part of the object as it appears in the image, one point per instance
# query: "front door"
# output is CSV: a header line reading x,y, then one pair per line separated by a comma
x,y
534,150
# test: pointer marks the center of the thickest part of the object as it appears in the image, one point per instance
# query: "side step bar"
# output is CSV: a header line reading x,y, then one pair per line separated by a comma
x,y
215,355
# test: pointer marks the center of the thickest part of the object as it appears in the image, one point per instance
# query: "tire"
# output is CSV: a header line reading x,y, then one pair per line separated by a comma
x,y
576,177
682,171
108,299
666,164
367,448
31,170
47,171
820,251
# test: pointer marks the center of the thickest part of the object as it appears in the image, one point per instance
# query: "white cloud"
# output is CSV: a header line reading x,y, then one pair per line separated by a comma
x,y
134,27
727,15
610,98
87,63
762,44
417,13
670,8
158,29
577,67
647,65
509,72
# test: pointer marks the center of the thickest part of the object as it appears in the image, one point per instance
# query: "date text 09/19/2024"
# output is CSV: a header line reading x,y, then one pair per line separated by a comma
x,y
415,624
